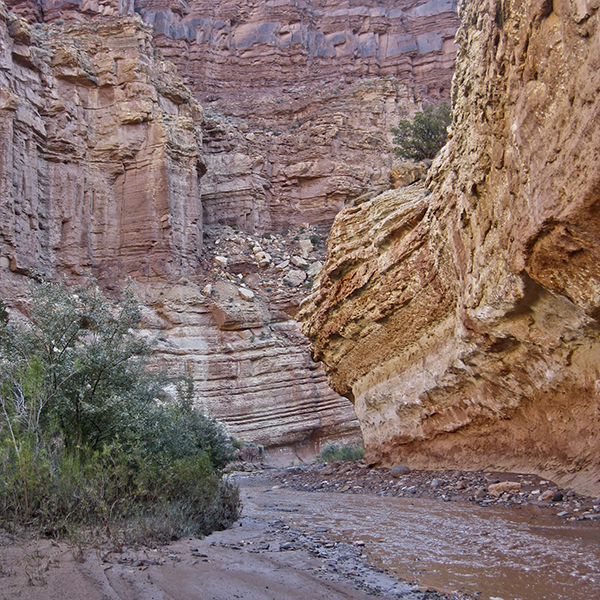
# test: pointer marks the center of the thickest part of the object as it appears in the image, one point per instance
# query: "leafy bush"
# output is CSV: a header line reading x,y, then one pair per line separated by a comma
x,y
425,136
337,453
89,435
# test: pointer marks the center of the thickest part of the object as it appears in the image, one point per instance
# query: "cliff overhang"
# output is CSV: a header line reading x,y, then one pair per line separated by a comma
x,y
462,316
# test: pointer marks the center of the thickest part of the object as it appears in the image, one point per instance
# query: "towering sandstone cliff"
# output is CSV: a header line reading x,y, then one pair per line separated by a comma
x,y
293,92
101,154
462,316
100,168
110,165
312,86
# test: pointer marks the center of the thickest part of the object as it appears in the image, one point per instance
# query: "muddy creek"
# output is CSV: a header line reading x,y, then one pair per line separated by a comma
x,y
497,553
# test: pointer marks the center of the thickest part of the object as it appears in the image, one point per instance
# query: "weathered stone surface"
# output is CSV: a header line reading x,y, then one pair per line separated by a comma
x,y
100,165
253,372
462,318
496,489
71,10
305,89
407,173
101,154
293,92
294,278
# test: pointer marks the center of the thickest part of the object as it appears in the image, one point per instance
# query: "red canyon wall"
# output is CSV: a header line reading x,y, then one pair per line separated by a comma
x,y
300,97
110,165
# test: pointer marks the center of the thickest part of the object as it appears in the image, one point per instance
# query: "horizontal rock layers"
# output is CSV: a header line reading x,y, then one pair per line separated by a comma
x,y
100,167
251,368
293,92
462,317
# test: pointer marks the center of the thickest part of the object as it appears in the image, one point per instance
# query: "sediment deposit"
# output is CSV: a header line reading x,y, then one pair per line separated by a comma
x,y
462,316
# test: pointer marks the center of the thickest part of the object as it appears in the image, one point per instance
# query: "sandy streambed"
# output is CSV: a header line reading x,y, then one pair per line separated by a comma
x,y
302,545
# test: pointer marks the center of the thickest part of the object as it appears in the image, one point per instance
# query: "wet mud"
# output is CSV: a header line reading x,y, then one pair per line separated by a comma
x,y
508,544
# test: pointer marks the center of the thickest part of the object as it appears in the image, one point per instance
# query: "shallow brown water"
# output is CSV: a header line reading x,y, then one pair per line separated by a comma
x,y
450,546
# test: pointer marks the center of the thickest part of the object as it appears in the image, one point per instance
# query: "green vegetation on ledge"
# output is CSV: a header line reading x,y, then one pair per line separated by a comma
x,y
89,436
337,453
424,137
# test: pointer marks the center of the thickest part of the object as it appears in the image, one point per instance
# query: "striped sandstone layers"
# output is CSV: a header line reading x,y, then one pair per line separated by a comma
x,y
461,317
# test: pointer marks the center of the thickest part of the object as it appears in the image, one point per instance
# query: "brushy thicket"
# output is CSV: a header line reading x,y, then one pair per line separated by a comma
x,y
424,137
89,436
337,453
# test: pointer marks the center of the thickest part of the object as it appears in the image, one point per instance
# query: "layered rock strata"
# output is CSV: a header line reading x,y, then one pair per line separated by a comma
x,y
251,368
100,168
293,92
101,155
462,317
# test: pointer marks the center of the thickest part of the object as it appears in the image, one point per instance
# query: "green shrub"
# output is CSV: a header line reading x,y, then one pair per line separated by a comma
x,y
90,436
425,136
337,453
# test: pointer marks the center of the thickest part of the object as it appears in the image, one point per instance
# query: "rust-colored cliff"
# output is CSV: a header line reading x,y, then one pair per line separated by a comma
x,y
110,165
302,97
101,153
299,98
462,317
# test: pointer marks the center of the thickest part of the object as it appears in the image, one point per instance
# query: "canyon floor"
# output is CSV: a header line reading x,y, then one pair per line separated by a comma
x,y
406,537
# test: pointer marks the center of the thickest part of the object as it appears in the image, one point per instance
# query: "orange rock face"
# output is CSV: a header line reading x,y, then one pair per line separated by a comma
x,y
462,317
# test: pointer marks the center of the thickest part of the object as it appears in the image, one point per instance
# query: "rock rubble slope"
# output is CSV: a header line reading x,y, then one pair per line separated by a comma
x,y
232,330
461,317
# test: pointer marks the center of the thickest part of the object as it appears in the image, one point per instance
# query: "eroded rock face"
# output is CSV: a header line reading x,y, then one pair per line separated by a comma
x,y
101,155
293,92
463,318
251,368
100,167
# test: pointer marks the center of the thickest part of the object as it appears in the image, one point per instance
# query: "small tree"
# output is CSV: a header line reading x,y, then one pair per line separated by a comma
x,y
82,416
424,137
76,369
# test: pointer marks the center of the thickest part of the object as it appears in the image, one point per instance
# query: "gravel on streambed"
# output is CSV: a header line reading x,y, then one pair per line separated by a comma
x,y
486,488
